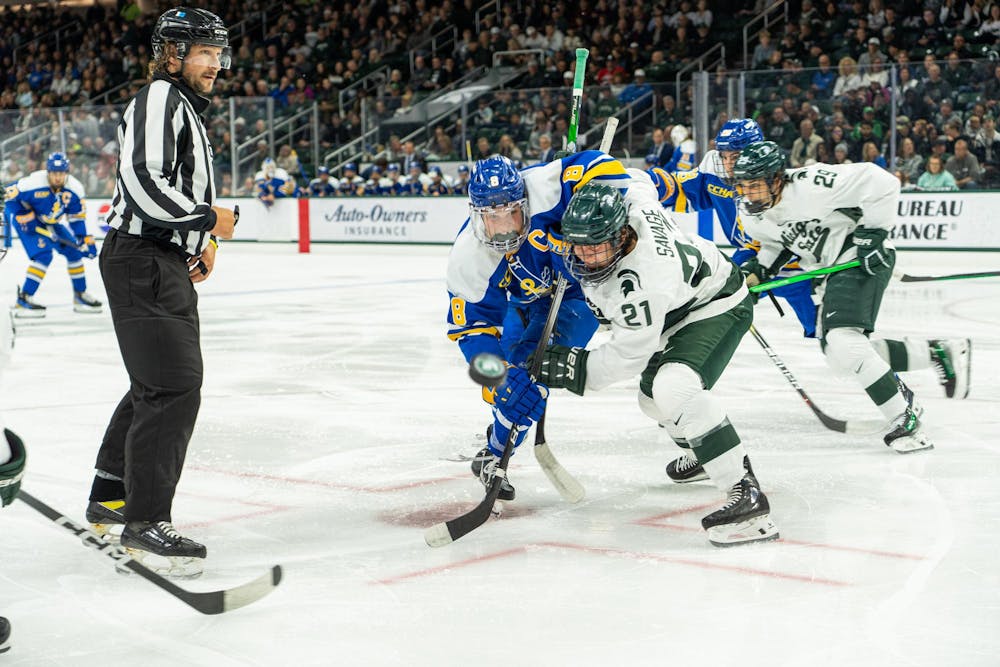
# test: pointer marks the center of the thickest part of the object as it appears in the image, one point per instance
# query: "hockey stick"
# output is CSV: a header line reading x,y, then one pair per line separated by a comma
x,y
212,602
574,117
808,275
447,532
840,426
609,134
907,278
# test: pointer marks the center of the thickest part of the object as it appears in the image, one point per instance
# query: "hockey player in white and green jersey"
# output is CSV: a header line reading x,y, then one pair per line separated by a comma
x,y
678,308
827,215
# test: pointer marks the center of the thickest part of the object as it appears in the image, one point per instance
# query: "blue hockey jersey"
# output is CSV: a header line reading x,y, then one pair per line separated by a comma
x,y
481,279
31,201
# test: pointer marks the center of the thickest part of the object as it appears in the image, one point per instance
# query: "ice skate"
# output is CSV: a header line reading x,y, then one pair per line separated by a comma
x,y
83,302
107,518
906,434
27,307
484,466
744,518
4,635
952,360
162,549
686,469
907,394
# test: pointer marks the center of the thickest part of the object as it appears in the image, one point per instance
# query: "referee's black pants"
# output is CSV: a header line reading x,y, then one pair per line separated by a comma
x,y
154,307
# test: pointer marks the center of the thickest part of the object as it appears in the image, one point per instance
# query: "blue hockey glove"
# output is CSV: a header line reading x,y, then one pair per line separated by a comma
x,y
87,246
12,471
871,251
564,368
519,399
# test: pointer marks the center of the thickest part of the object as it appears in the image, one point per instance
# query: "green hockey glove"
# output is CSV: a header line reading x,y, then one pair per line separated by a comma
x,y
871,252
564,368
12,471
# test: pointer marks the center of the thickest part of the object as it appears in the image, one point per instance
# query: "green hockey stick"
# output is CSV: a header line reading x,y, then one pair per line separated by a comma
x,y
574,117
808,275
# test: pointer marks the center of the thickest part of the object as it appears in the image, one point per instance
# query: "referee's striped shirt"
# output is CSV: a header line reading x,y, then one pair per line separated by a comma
x,y
164,187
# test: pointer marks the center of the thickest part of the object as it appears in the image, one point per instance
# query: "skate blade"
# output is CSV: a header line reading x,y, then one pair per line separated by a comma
x,y
757,529
175,567
87,309
701,477
109,532
26,314
497,510
908,445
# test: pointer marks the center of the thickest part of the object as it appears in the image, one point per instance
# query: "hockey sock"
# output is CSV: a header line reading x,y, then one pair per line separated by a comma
x,y
76,275
35,276
107,489
884,392
904,355
849,352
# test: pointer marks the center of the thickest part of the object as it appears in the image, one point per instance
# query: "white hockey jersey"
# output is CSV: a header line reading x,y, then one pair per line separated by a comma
x,y
820,207
668,280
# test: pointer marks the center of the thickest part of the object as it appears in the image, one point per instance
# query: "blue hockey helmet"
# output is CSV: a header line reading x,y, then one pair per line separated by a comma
x,y
737,134
463,169
393,166
57,162
733,137
351,166
498,204
323,170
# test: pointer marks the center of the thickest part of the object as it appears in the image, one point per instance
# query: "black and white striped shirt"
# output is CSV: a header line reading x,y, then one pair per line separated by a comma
x,y
164,187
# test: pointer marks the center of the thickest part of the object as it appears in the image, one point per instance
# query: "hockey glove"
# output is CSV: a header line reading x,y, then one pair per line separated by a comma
x,y
754,272
12,471
87,246
519,399
871,251
564,368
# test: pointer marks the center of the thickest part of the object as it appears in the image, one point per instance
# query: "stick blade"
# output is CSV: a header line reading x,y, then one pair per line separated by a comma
x,y
438,535
568,487
250,592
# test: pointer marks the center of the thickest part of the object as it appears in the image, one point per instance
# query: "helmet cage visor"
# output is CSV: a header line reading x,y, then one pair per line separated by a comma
x,y
593,264
501,227
759,194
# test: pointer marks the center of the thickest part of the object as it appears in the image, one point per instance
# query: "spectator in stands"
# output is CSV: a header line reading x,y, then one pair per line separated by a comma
x,y
440,146
935,88
804,149
964,166
780,129
288,160
946,114
840,154
483,148
868,115
986,146
546,153
762,52
507,148
658,69
991,26
638,92
823,79
871,153
936,178
929,29
908,161
661,150
848,78
607,105
669,114
873,51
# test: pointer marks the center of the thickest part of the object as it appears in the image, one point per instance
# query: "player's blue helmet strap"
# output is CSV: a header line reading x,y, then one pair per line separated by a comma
x,y
57,162
498,205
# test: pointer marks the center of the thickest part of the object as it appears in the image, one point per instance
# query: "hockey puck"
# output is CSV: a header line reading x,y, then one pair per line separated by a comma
x,y
488,370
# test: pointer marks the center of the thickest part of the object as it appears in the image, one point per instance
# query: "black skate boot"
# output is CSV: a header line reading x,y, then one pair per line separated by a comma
x,y
952,360
4,635
484,466
744,518
685,469
184,556
104,515
906,434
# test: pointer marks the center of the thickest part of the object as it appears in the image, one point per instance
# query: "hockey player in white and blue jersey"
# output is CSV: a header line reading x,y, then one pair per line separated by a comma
x,y
711,186
273,182
685,157
322,185
36,206
501,272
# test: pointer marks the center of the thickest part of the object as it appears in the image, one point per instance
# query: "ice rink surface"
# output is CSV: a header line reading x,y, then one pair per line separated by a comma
x,y
332,404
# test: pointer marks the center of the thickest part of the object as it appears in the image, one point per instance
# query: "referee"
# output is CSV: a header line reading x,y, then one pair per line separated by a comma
x,y
162,240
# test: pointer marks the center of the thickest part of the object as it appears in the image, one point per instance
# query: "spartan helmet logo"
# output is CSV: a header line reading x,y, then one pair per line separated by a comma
x,y
629,281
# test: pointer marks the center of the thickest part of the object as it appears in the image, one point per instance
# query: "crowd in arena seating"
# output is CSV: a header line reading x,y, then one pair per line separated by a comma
x,y
820,84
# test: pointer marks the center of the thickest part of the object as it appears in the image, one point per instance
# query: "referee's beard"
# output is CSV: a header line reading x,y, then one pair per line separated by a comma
x,y
201,78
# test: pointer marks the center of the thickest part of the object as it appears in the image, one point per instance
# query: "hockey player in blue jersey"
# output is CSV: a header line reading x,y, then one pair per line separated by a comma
x,y
501,271
711,186
36,206
461,184
322,185
273,182
685,157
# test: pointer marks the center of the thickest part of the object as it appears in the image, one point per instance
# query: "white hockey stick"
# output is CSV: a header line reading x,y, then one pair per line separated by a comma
x,y
609,134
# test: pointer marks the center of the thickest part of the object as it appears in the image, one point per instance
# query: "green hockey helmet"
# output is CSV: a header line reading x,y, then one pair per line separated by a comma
x,y
759,172
594,230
